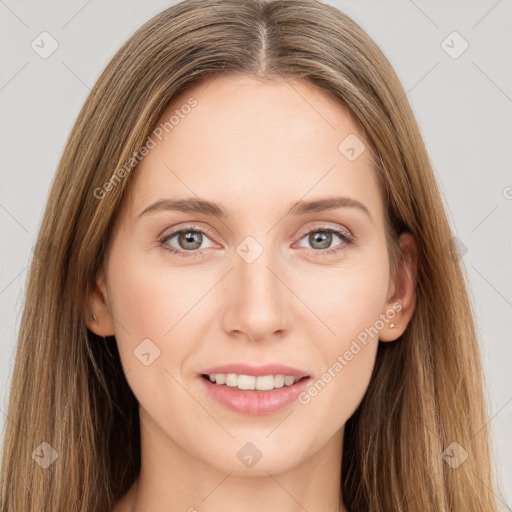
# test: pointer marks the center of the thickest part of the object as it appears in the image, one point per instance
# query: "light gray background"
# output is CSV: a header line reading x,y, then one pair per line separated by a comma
x,y
463,106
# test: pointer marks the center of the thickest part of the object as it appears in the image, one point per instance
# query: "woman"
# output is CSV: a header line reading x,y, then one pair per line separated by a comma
x,y
247,286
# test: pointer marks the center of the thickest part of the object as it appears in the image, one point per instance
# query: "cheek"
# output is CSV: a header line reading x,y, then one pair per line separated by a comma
x,y
154,313
345,300
148,299
349,307
148,303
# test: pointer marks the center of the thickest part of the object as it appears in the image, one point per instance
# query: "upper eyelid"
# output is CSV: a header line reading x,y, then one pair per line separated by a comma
x,y
326,227
191,227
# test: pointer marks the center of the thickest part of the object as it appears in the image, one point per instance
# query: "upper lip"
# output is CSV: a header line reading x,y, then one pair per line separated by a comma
x,y
249,369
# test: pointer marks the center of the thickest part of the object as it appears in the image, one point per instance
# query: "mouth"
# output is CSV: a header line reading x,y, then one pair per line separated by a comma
x,y
255,395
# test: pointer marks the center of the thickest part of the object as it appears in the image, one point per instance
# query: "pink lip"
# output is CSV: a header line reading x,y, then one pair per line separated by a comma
x,y
252,402
247,369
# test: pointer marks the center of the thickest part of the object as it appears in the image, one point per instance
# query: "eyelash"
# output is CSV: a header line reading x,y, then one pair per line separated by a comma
x,y
347,240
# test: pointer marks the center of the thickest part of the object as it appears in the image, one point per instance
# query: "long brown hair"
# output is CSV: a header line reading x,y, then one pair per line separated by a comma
x,y
68,387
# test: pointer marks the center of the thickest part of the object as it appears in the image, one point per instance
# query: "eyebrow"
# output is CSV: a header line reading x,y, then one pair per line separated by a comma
x,y
196,205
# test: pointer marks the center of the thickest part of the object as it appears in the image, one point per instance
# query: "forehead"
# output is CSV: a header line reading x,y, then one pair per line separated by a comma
x,y
258,141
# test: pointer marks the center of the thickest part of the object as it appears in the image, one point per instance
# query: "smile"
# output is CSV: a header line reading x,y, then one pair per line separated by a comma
x,y
250,400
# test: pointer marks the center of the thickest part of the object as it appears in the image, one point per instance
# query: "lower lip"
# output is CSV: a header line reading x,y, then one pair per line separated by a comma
x,y
255,403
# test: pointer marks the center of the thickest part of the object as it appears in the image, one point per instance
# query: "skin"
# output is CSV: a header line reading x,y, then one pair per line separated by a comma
x,y
255,147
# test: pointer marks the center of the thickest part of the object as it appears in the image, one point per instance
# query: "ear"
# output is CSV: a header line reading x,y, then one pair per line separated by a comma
x,y
100,320
402,290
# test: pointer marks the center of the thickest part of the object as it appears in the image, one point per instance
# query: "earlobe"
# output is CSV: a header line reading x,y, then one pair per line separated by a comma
x,y
401,302
100,319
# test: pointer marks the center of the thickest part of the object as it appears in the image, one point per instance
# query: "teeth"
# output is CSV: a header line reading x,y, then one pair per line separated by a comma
x,y
288,381
278,381
251,382
265,382
231,379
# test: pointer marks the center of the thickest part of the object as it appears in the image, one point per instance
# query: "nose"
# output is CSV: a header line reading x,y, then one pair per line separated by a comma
x,y
258,305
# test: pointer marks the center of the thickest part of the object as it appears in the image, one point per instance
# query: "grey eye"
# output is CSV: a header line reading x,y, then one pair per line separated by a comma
x,y
188,239
321,238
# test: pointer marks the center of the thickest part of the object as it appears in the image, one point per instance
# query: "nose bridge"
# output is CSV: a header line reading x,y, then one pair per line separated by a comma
x,y
259,303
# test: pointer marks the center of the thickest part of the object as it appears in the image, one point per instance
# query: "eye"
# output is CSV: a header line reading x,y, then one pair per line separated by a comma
x,y
321,240
189,241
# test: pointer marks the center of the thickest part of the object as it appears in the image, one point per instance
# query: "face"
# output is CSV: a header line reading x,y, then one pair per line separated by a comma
x,y
271,287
